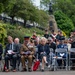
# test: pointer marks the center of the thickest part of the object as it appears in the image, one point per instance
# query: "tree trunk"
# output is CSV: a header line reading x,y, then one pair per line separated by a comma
x,y
12,20
24,23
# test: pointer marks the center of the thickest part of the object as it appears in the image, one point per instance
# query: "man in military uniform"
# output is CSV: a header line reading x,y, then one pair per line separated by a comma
x,y
26,54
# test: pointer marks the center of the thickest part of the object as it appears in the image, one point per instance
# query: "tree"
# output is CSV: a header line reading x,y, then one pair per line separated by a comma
x,y
23,9
6,5
3,5
3,33
66,6
43,18
13,9
27,10
44,4
64,23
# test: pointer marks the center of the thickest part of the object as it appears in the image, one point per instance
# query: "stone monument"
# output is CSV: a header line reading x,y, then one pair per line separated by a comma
x,y
52,21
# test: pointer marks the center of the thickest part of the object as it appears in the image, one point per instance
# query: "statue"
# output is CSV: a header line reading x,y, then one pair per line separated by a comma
x,y
50,8
52,21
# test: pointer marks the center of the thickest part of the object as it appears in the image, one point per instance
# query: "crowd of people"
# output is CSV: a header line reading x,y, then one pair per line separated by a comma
x,y
26,53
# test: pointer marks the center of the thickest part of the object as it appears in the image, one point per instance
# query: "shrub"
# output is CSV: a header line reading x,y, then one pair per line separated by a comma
x,y
64,23
16,34
3,34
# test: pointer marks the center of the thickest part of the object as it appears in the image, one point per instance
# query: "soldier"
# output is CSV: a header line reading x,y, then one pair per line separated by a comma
x,y
27,51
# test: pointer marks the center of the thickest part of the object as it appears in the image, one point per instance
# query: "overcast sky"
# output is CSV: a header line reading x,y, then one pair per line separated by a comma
x,y
37,2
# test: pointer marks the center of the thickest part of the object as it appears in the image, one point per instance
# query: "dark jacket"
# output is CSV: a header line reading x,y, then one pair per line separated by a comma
x,y
73,45
15,48
1,50
46,36
42,48
58,37
53,46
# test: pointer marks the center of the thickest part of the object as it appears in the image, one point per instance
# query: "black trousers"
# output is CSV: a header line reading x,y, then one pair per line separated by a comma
x,y
73,56
12,58
0,57
18,60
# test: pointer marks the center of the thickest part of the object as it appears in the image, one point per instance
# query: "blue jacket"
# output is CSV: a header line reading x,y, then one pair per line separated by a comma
x,y
62,46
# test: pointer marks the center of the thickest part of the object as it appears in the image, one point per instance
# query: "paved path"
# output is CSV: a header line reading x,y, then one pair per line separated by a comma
x,y
40,73
59,72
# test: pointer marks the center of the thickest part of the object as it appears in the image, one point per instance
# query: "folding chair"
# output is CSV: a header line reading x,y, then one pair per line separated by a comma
x,y
51,60
61,54
71,57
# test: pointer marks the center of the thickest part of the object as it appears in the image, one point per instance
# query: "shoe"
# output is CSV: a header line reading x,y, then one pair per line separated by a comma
x,y
29,70
17,68
49,66
24,69
14,70
46,64
42,70
52,69
7,70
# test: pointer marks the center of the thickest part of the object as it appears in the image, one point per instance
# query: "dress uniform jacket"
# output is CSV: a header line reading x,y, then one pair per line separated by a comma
x,y
28,57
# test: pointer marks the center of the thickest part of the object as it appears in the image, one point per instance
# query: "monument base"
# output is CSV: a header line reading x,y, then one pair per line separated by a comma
x,y
52,24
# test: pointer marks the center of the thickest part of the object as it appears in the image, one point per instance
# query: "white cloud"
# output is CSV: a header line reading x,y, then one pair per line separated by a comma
x,y
36,2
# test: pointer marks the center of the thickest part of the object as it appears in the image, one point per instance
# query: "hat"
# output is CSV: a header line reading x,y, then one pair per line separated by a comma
x,y
26,37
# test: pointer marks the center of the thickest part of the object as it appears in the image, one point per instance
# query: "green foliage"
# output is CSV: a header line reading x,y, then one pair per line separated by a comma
x,y
30,31
1,7
16,31
25,10
3,33
64,23
66,6
4,5
23,32
43,18
16,34
45,4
